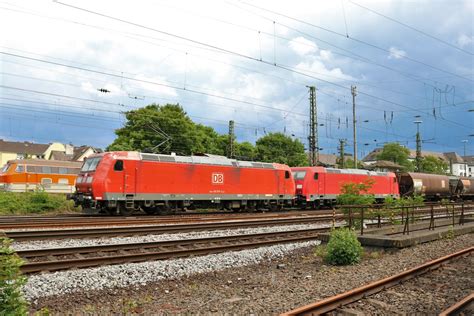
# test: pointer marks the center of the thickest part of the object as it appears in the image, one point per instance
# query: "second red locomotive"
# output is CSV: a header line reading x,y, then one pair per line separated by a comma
x,y
321,186
120,182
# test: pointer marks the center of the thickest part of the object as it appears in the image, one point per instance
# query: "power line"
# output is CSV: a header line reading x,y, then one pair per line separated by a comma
x,y
353,39
412,28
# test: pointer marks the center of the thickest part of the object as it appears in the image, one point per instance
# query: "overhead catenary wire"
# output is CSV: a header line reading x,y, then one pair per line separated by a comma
x,y
355,40
411,28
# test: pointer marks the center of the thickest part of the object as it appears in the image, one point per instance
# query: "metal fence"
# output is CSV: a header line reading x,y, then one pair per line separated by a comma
x,y
360,216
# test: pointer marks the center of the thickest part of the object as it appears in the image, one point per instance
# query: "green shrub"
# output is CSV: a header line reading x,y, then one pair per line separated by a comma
x,y
33,202
11,281
343,247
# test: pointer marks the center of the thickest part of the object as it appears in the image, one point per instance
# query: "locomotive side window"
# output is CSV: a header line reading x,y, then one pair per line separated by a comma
x,y
287,174
62,170
315,176
46,169
20,168
118,165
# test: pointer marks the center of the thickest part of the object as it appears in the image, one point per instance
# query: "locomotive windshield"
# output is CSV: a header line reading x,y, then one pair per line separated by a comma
x,y
299,175
5,168
91,164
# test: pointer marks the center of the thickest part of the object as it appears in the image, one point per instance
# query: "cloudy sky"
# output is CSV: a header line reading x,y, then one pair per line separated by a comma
x,y
247,61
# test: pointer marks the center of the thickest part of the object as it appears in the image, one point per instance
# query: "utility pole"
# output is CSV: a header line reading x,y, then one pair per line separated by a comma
x,y
465,142
354,121
342,143
230,152
418,146
313,128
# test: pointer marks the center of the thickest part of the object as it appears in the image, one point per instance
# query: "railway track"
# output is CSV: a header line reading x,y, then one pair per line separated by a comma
x,y
82,257
26,222
463,307
333,304
24,235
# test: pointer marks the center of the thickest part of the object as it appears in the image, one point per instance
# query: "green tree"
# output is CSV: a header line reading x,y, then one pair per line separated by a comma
x,y
431,164
169,125
349,163
398,154
245,151
277,147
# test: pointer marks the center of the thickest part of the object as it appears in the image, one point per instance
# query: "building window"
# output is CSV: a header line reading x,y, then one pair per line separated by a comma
x,y
20,156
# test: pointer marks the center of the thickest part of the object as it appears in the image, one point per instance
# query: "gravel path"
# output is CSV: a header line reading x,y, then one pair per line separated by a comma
x,y
278,281
62,243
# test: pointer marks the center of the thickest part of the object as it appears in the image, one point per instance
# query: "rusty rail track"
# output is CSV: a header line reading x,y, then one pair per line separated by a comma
x,y
139,252
21,222
459,307
334,302
156,229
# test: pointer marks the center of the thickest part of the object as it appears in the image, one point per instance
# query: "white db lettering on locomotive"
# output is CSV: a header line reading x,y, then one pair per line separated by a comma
x,y
217,178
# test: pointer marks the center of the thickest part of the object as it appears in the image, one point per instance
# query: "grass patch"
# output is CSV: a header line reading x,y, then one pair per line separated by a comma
x,y
34,203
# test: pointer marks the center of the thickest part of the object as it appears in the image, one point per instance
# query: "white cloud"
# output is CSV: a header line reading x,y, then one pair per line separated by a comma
x,y
464,40
396,53
156,84
302,46
325,55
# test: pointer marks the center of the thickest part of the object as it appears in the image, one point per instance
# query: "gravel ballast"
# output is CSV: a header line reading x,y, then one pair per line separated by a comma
x,y
124,275
65,243
282,279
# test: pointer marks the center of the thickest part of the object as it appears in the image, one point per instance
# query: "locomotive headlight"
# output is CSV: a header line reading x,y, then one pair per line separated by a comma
x,y
299,186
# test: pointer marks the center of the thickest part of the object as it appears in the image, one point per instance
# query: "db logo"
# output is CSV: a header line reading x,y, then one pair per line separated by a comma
x,y
217,178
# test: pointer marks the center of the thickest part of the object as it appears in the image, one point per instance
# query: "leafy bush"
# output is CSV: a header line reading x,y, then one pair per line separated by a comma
x,y
11,281
343,247
355,194
33,202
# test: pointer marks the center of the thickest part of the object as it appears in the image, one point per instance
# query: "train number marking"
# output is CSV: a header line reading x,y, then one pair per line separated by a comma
x,y
217,178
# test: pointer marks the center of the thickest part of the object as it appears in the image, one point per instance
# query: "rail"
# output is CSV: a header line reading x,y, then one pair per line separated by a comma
x,y
334,302
65,258
458,307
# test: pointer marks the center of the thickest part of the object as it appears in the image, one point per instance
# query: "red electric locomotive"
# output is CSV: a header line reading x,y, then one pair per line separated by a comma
x,y
120,182
318,185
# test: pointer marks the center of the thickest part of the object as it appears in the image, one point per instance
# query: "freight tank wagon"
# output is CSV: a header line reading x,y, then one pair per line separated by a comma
x,y
321,186
430,186
120,182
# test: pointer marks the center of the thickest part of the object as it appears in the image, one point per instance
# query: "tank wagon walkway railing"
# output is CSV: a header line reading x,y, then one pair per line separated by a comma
x,y
359,216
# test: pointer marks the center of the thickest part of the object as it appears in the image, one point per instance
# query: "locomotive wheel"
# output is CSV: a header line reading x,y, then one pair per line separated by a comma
x,y
149,210
122,210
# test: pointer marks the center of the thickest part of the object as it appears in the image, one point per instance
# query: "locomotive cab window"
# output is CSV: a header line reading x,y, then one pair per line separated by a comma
x,y
287,174
315,176
118,165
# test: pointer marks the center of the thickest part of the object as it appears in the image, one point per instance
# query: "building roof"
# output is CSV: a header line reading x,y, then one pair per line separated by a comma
x,y
22,147
372,156
446,157
79,151
330,159
60,156
425,153
468,159
385,164
452,157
